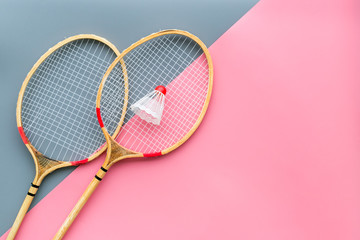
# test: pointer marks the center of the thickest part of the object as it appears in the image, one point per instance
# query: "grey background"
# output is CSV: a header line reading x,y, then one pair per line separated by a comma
x,y
29,28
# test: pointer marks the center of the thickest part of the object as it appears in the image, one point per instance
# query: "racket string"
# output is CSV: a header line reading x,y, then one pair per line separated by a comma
x,y
58,103
175,61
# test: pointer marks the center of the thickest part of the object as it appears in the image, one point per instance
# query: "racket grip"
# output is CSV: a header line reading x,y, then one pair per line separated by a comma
x,y
23,210
80,204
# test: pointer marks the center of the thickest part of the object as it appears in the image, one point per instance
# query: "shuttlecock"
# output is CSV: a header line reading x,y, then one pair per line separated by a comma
x,y
151,106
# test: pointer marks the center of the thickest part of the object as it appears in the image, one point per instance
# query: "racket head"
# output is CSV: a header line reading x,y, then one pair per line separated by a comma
x,y
185,60
58,92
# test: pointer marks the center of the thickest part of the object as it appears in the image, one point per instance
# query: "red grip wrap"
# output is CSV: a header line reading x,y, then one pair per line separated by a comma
x,y
99,117
80,162
152,154
22,134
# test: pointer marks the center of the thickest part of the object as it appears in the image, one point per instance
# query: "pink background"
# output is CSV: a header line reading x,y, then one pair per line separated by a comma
x,y
277,155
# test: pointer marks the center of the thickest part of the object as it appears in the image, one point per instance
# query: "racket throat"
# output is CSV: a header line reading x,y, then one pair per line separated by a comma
x,y
116,153
44,166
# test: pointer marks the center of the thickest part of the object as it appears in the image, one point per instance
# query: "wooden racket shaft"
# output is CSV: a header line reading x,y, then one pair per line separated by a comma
x,y
21,214
115,153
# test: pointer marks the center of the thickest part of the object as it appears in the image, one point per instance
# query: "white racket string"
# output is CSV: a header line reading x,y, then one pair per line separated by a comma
x,y
59,101
174,61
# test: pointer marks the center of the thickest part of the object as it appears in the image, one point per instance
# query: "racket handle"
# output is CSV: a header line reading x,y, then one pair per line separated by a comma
x,y
23,210
80,204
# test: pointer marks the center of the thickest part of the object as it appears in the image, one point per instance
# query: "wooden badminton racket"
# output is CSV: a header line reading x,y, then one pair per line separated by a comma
x,y
55,108
174,59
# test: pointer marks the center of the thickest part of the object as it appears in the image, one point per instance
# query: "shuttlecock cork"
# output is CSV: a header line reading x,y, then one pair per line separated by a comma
x,y
151,106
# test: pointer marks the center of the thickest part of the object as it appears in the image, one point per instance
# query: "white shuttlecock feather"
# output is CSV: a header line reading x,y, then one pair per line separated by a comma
x,y
151,106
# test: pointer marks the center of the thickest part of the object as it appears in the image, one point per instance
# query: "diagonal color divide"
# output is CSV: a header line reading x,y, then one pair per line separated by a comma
x,y
276,157
17,58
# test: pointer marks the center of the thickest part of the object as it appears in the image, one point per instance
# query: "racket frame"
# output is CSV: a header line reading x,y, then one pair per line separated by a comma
x,y
114,154
43,164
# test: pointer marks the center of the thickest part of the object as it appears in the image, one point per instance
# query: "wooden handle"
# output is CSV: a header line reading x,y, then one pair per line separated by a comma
x,y
21,214
80,204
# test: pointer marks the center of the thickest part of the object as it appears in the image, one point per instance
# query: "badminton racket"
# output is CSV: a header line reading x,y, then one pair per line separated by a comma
x,y
55,108
171,63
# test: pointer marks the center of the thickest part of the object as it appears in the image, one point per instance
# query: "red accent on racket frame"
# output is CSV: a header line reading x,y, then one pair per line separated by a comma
x,y
99,117
155,154
23,136
80,162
